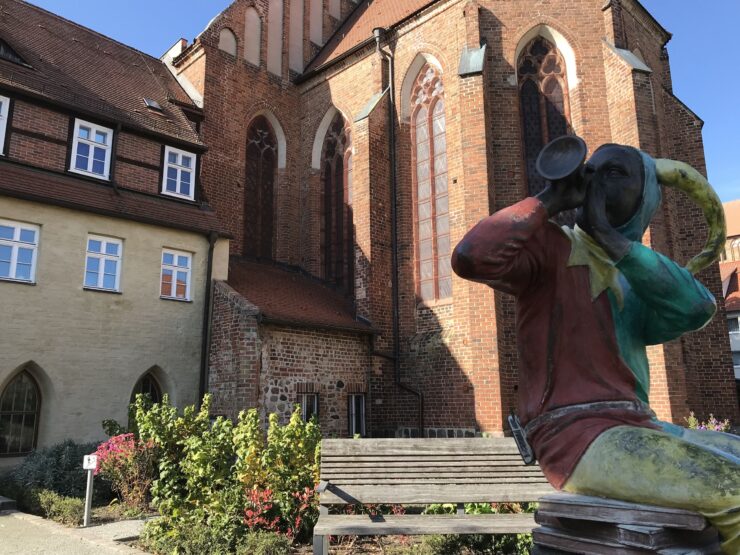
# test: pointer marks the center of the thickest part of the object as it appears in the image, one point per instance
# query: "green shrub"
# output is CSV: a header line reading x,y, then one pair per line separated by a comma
x,y
228,476
263,543
59,468
184,537
26,498
65,510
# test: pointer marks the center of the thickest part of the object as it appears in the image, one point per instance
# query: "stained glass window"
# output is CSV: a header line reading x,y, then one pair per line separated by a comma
x,y
543,102
432,218
338,231
20,403
259,208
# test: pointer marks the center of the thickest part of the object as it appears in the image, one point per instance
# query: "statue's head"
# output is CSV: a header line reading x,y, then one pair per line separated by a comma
x,y
630,184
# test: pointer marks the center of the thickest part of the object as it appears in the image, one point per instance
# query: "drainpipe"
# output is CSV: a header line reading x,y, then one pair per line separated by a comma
x,y
379,33
205,349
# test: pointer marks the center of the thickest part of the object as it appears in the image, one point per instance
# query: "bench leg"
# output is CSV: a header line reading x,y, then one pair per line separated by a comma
x,y
320,545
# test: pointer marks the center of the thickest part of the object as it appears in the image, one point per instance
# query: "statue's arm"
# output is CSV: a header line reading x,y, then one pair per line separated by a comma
x,y
500,251
675,301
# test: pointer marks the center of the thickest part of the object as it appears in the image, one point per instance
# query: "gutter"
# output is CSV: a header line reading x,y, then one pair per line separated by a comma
x,y
205,349
379,34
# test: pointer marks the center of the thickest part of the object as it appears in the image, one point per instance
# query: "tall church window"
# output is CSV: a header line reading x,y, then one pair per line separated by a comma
x,y
20,404
338,231
432,215
259,189
543,101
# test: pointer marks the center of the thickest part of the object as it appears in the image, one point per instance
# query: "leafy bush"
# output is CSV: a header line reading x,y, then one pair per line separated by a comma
x,y
58,468
184,537
263,543
228,477
128,464
26,498
65,510
711,424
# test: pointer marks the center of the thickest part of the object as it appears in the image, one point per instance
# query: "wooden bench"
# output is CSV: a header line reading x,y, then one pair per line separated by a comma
x,y
421,472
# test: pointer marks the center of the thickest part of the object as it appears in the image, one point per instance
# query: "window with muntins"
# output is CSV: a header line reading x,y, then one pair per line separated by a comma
x,y
259,207
103,263
309,405
20,404
733,325
337,244
91,149
356,414
432,213
148,385
545,113
178,178
175,278
4,111
18,250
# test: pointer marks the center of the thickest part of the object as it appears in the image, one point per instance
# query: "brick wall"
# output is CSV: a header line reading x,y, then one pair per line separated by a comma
x,y
460,353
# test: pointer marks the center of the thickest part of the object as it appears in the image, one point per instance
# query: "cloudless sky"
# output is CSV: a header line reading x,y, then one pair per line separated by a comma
x,y
702,54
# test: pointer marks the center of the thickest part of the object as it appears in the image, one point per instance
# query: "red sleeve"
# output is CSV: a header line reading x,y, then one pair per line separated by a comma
x,y
501,251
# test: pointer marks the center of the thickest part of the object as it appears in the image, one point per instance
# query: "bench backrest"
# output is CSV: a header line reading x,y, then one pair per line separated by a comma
x,y
407,471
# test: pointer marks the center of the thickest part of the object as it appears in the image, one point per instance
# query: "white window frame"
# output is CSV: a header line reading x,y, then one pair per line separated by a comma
x,y
15,243
107,147
179,169
304,399
102,257
737,319
175,268
351,415
4,112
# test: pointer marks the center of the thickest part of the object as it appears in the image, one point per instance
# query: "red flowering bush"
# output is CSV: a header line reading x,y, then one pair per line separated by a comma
x,y
128,464
289,517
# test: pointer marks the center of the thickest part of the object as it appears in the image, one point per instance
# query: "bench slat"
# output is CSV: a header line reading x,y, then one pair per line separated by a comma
x,y
374,462
363,525
435,493
441,481
441,476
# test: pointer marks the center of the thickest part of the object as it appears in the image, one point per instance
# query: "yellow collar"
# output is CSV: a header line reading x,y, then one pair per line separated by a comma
x,y
602,273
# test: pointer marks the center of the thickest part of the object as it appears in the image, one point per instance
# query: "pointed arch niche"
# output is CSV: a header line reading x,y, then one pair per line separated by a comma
x,y
252,35
20,413
544,75
337,226
430,185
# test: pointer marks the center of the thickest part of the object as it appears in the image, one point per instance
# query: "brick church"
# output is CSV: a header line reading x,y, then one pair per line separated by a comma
x,y
268,212
352,145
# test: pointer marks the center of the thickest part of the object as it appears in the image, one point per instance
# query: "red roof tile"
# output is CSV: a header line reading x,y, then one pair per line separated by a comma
x,y
75,66
289,296
62,190
359,26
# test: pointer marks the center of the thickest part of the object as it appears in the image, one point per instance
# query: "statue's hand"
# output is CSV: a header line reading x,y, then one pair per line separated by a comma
x,y
563,195
615,245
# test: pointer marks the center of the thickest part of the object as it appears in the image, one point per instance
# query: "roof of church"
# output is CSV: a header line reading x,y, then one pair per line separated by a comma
x,y
288,296
77,67
358,26
35,184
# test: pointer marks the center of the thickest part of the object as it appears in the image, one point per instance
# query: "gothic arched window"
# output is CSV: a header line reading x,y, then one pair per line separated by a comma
x,y
338,230
543,100
20,404
259,189
432,214
148,385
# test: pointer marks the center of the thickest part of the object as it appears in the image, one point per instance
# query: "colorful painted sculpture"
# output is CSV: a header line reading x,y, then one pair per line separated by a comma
x,y
589,301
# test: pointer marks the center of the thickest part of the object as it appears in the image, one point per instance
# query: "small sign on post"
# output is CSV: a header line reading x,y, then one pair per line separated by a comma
x,y
89,463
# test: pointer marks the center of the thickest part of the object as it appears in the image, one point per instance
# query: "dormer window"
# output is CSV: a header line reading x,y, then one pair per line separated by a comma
x,y
4,110
91,149
178,179
153,104
7,53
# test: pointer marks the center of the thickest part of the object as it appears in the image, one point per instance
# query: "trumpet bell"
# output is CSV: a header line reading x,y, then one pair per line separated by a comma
x,y
561,157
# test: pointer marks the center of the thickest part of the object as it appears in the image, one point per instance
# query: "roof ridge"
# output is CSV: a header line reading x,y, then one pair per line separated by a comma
x,y
87,29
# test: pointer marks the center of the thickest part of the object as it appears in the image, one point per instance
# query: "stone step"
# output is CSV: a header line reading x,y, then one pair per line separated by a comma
x,y
7,504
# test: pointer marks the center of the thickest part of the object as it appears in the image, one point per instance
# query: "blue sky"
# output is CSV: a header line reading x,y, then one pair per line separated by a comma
x,y
702,56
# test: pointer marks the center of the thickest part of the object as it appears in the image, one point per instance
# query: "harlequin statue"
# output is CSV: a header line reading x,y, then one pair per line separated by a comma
x,y
589,299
